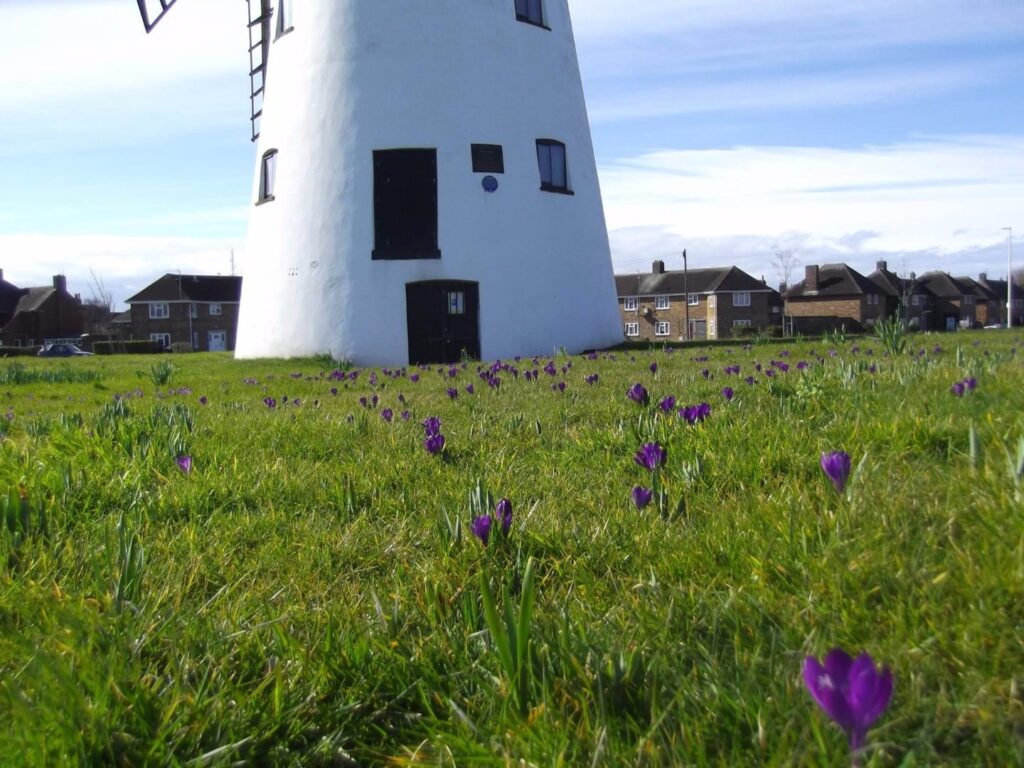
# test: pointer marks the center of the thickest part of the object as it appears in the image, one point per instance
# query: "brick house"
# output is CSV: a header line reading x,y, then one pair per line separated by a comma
x,y
835,296
198,310
40,315
945,303
655,306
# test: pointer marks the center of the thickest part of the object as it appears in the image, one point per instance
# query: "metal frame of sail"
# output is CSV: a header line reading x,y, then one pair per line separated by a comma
x,y
258,71
165,5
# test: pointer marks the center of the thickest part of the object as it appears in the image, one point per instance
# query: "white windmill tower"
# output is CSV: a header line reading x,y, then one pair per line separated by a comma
x,y
425,184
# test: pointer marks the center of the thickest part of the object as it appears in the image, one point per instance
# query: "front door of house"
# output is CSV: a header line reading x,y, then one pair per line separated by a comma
x,y
218,341
443,319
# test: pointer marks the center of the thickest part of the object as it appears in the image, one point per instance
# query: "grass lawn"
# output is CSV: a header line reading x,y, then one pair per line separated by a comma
x,y
311,592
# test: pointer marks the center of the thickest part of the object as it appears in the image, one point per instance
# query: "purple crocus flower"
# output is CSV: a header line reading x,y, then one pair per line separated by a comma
x,y
837,465
638,394
185,464
651,456
853,692
503,511
641,496
481,527
727,393
667,404
434,443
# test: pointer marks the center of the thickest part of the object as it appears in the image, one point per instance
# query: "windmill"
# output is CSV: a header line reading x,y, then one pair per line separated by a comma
x,y
425,184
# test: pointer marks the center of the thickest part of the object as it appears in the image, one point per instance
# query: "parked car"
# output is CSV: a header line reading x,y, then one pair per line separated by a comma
x,y
63,350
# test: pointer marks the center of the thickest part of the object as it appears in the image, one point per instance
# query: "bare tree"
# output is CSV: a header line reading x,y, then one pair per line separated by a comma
x,y
784,261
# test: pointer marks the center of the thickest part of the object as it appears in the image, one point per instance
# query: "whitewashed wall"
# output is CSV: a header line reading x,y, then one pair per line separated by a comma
x,y
357,76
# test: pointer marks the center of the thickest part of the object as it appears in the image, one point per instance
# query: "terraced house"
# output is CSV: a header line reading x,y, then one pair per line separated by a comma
x,y
697,304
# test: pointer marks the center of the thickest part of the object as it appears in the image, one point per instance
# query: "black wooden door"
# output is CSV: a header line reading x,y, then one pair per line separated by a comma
x,y
443,318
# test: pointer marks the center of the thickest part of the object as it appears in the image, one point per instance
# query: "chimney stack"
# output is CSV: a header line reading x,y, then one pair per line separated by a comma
x,y
882,266
658,268
811,278
60,282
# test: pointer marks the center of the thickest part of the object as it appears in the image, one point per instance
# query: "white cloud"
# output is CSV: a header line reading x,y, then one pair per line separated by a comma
x,y
924,201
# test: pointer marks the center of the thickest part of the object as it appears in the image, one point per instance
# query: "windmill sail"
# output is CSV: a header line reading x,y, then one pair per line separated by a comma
x,y
153,11
260,15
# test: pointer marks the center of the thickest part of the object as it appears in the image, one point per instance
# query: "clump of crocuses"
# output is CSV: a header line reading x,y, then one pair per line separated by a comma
x,y
853,692
638,394
482,525
434,440
837,465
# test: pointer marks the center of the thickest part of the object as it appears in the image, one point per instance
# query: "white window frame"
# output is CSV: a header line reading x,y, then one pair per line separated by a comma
x,y
631,329
163,337
268,176
741,298
661,302
216,310
630,304
693,300
663,328
159,310
530,12
285,19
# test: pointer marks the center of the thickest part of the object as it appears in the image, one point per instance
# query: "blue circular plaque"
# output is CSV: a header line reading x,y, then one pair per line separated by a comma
x,y
490,183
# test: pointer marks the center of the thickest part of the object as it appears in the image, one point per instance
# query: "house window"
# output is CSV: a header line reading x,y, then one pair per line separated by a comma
x,y
405,204
159,311
661,302
693,300
662,328
163,339
456,303
530,11
193,310
632,329
488,158
268,176
551,159
630,303
285,24
741,299
215,309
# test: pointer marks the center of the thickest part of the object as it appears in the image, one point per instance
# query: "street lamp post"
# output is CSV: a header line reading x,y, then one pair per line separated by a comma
x,y
1009,276
686,291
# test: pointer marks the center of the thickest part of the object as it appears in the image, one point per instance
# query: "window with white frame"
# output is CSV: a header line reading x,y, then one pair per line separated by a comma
x,y
215,310
630,303
285,24
661,302
632,329
693,300
741,299
662,328
159,310
163,339
530,11
268,176
554,175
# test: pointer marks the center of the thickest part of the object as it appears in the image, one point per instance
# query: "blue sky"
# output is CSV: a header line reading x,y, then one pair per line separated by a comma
x,y
841,131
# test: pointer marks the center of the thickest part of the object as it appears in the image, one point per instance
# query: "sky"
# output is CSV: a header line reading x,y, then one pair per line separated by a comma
x,y
838,131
